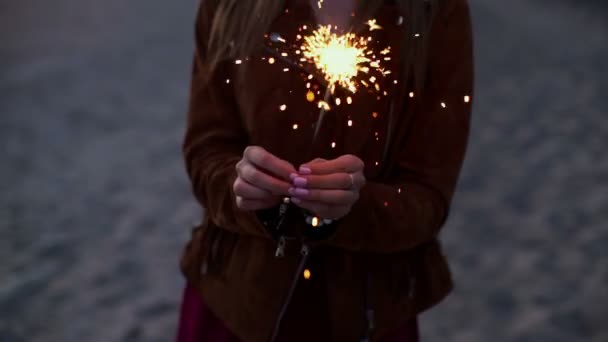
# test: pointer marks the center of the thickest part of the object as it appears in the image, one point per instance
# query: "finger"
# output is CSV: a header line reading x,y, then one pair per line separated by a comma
x,y
247,190
347,163
305,169
254,204
330,197
269,162
258,178
317,160
331,181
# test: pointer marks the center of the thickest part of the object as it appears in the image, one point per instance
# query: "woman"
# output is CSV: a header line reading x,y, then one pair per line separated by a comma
x,y
332,238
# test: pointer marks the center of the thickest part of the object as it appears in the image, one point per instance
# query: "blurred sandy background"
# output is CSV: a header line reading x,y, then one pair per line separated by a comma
x,y
95,204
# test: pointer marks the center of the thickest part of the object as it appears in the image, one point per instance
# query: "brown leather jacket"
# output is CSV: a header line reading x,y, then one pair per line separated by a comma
x,y
384,256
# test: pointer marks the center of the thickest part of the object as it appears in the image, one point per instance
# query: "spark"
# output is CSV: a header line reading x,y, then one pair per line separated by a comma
x,y
285,69
324,105
338,101
400,21
443,105
270,60
350,123
238,61
349,100
417,35
295,126
310,96
320,3
411,94
306,274
333,144
375,114
467,99
283,107
372,25
227,81
315,221
339,57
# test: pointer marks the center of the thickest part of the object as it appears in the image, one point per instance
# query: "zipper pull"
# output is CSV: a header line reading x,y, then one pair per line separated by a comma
x,y
280,251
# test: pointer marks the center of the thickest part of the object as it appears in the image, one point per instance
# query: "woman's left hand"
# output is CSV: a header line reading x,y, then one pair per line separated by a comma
x,y
328,188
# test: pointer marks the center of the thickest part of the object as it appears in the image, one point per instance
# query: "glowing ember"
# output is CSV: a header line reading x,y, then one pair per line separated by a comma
x,y
324,105
310,96
306,274
339,57
372,25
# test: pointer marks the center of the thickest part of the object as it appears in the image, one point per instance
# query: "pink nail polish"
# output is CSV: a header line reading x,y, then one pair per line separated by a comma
x,y
302,192
291,191
296,200
300,182
305,170
293,176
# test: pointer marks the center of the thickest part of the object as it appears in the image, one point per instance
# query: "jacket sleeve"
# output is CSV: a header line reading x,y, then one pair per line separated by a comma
x,y
410,209
215,138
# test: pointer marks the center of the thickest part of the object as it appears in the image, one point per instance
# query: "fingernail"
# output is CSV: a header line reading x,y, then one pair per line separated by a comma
x,y
291,191
292,176
300,182
302,192
296,200
305,170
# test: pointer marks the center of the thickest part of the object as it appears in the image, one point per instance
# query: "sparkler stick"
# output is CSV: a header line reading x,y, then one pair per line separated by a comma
x,y
319,121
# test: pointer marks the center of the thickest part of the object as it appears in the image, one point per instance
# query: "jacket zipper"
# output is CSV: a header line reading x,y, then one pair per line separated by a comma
x,y
305,251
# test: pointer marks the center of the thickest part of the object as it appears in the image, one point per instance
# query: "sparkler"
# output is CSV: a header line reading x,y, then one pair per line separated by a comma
x,y
341,59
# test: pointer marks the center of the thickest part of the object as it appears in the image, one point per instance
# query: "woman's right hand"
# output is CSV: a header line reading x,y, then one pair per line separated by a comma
x,y
262,179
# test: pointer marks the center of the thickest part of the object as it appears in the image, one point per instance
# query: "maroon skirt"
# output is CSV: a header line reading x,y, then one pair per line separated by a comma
x,y
197,323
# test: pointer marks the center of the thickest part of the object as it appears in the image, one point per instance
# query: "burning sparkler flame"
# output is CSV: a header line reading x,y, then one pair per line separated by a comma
x,y
339,57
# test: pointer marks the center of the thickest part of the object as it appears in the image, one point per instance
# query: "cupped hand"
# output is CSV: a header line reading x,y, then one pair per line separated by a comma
x,y
262,179
328,188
